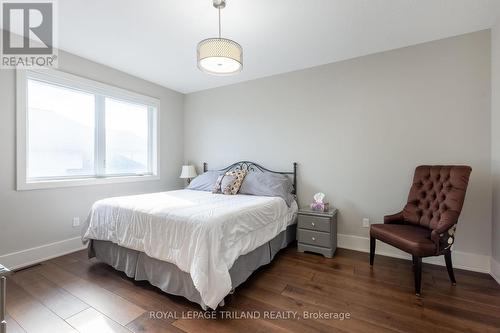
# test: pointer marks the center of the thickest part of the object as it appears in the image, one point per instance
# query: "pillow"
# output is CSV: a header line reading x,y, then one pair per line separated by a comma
x,y
204,182
227,183
233,185
218,183
269,185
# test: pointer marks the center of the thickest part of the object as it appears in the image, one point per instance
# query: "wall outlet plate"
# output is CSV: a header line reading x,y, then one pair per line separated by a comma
x,y
76,222
366,222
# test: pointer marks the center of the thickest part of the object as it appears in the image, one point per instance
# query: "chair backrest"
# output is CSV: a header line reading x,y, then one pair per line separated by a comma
x,y
435,190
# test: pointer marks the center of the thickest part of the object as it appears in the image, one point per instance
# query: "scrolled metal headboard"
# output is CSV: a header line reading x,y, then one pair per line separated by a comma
x,y
254,167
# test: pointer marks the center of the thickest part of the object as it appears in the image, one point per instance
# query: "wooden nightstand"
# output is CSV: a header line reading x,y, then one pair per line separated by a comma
x,y
317,231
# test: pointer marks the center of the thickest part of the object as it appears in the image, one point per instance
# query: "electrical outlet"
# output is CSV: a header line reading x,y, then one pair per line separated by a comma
x,y
76,222
366,222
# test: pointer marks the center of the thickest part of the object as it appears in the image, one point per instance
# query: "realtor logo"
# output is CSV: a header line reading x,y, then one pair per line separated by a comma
x,y
28,34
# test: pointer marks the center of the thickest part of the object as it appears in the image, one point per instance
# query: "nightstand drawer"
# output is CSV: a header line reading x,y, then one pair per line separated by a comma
x,y
314,238
314,223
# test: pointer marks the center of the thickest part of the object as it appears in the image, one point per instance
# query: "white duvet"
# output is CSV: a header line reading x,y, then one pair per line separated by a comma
x,y
200,232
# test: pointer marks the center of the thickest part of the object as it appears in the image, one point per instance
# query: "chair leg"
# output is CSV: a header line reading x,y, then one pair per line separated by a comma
x,y
449,267
418,274
372,250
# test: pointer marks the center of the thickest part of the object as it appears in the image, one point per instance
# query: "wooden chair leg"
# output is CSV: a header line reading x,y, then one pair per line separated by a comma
x,y
449,267
372,250
418,274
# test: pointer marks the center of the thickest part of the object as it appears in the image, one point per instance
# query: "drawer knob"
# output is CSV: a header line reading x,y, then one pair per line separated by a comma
x,y
313,238
313,224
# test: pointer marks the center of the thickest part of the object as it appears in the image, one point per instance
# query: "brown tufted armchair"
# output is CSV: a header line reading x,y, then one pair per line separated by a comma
x,y
426,226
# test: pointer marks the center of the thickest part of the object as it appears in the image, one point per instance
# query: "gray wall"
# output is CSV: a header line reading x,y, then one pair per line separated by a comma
x,y
495,138
359,127
33,218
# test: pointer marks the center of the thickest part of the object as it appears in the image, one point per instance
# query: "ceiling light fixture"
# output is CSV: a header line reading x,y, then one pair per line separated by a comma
x,y
220,56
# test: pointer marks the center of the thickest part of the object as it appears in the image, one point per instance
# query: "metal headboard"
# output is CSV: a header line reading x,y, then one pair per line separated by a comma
x,y
254,167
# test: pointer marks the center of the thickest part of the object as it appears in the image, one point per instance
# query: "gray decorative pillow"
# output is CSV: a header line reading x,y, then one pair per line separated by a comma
x,y
269,185
204,182
217,186
227,183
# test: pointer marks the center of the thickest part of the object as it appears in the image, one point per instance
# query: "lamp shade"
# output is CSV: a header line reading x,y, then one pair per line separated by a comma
x,y
188,171
220,56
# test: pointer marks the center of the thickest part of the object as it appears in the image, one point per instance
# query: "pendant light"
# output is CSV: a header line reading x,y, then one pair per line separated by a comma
x,y
220,56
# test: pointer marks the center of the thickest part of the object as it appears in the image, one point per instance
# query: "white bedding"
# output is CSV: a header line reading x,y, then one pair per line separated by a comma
x,y
200,232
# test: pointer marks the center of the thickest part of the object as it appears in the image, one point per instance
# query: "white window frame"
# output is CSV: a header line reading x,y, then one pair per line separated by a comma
x,y
101,90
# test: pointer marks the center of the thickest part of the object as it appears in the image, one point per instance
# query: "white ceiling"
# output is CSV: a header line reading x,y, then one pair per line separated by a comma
x,y
156,39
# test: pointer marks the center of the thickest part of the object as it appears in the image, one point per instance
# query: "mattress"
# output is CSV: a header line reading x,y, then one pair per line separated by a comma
x,y
203,234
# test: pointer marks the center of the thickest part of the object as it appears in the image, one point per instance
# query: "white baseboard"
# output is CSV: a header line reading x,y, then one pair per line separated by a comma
x,y
463,260
38,254
495,270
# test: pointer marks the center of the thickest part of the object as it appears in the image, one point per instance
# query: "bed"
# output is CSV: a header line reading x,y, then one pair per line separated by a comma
x,y
195,244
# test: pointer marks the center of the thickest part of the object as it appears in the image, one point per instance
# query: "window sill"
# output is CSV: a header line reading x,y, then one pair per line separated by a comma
x,y
59,183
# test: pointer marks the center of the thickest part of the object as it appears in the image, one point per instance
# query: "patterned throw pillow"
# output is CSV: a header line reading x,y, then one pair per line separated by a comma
x,y
233,187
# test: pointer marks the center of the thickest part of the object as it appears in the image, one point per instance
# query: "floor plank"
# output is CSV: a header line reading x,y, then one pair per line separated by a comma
x,y
146,323
58,300
110,304
13,326
92,321
32,315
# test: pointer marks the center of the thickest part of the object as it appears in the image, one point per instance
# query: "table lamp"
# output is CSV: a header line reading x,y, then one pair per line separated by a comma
x,y
188,172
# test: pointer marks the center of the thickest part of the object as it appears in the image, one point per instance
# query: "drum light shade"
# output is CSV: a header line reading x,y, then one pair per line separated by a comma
x,y
220,56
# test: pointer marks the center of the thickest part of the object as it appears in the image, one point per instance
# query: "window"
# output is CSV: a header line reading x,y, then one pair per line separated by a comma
x,y
61,127
127,137
73,131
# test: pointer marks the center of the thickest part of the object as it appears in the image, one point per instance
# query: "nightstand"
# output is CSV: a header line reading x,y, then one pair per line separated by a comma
x,y
317,231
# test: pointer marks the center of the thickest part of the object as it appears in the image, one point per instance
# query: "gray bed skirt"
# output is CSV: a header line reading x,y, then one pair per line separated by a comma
x,y
170,279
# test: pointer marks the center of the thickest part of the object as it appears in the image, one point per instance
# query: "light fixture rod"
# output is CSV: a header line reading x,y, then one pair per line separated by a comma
x,y
219,23
219,4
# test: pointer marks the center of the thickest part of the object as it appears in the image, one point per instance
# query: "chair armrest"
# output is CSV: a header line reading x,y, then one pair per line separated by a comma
x,y
394,218
447,220
444,234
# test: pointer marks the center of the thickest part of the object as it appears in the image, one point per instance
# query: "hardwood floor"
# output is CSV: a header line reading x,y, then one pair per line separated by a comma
x,y
74,294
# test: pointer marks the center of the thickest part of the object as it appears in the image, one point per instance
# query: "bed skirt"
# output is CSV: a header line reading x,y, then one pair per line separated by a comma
x,y
170,279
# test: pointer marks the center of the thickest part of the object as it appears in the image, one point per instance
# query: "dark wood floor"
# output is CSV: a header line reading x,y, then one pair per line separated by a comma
x,y
74,294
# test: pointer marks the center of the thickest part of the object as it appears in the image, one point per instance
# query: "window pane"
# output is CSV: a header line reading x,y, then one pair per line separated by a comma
x,y
60,131
126,137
